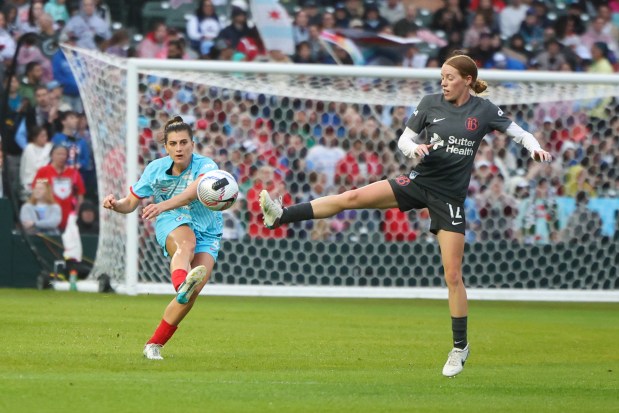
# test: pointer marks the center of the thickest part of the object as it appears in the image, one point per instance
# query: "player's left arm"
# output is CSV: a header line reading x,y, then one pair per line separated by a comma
x,y
502,123
527,140
184,198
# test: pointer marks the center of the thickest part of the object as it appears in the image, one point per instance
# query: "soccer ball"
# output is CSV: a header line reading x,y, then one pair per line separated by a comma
x,y
218,190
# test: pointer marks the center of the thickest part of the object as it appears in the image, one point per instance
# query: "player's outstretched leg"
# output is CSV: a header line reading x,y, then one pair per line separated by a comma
x,y
193,279
153,351
455,361
271,209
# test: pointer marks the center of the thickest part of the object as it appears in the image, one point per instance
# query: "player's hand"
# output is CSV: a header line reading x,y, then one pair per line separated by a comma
x,y
541,156
151,211
109,202
422,150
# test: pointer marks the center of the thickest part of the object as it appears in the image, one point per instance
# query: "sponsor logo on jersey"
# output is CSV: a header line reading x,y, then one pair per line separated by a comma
x,y
471,124
413,175
402,180
460,146
437,120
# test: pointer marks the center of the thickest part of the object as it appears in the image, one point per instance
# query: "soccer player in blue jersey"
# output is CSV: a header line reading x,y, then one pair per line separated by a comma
x,y
455,121
190,233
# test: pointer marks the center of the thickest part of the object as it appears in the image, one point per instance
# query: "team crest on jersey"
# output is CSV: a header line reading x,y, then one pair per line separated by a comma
x,y
472,124
402,180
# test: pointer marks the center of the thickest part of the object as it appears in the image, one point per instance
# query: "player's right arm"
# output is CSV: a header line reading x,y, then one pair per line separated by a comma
x,y
188,195
124,205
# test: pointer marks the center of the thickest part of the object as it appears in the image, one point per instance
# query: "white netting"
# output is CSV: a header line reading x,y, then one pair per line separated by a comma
x,y
314,134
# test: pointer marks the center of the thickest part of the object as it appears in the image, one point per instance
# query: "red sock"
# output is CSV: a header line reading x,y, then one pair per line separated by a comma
x,y
178,276
163,333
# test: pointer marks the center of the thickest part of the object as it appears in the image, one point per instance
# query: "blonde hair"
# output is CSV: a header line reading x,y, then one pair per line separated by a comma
x,y
49,196
467,67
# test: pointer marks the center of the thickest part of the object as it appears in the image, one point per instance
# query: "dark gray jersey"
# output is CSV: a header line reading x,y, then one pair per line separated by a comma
x,y
456,133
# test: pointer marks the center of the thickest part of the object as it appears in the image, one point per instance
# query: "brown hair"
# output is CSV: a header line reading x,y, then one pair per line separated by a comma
x,y
176,124
467,67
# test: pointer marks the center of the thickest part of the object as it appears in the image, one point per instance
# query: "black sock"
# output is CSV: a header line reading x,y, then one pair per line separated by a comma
x,y
298,212
458,326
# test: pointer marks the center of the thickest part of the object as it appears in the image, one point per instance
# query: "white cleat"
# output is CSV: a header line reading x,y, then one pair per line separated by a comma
x,y
455,361
153,351
193,279
271,209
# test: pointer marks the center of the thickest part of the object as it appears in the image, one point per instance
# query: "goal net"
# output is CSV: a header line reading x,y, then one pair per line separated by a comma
x,y
305,131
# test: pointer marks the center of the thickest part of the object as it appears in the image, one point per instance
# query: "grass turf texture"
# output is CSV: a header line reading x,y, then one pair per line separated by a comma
x,y
71,352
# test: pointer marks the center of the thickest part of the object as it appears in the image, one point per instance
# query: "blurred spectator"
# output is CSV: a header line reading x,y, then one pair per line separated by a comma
x,y
341,16
233,225
41,213
391,10
203,27
583,225
303,53
64,75
516,49
7,44
497,210
511,17
483,54
89,28
67,185
595,34
504,62
30,25
42,114
406,26
176,50
372,20
10,14
119,44
551,58
33,78
103,11
413,58
454,43
472,34
300,27
577,180
57,9
265,179
537,221
236,30
450,17
48,36
599,59
88,218
35,155
78,149
155,43
31,51
531,30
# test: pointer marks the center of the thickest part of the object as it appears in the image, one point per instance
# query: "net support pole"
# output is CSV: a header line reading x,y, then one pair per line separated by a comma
x,y
131,238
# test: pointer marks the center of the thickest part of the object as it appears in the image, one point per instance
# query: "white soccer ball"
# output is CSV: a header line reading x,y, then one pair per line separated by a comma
x,y
218,190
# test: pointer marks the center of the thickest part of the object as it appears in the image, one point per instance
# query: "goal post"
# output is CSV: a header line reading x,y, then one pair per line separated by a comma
x,y
126,102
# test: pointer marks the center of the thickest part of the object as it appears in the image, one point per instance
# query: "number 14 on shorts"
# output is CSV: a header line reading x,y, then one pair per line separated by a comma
x,y
456,218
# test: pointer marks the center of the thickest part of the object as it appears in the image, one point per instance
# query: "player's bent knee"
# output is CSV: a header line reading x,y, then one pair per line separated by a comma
x,y
352,199
453,278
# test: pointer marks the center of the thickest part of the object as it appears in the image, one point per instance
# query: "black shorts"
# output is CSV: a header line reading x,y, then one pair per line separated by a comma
x,y
447,214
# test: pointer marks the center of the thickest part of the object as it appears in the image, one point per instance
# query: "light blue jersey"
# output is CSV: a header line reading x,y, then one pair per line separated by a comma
x,y
157,181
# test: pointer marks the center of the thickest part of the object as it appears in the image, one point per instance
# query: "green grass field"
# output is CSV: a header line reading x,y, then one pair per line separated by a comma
x,y
77,352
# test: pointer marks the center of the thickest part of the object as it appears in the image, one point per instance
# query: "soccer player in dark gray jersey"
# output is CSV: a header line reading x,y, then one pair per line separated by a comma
x,y
455,134
456,122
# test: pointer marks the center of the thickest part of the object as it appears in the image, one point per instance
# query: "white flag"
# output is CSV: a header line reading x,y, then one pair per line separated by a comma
x,y
273,24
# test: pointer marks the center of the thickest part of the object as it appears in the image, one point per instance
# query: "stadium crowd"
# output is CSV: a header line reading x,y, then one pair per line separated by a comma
x,y
301,149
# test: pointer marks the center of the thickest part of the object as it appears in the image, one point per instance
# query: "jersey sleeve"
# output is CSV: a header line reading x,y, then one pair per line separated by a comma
x,y
498,120
142,188
205,165
417,122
